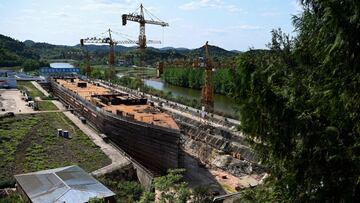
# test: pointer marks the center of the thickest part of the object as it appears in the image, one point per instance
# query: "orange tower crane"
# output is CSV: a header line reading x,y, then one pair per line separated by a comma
x,y
207,92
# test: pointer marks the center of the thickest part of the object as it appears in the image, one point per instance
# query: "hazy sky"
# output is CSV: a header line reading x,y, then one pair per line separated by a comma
x,y
231,24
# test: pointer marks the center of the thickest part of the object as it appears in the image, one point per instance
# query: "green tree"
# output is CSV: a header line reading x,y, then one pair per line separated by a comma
x,y
201,195
30,65
96,200
128,191
300,104
171,187
147,197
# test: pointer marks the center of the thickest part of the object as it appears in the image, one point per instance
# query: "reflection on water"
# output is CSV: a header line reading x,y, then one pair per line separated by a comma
x,y
221,103
61,65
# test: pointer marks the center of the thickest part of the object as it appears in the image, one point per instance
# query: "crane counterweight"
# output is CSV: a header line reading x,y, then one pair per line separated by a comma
x,y
140,18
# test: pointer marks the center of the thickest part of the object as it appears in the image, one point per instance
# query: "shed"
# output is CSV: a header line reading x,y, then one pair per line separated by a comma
x,y
68,184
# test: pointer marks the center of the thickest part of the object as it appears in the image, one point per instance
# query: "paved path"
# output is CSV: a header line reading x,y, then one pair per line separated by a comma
x,y
38,112
40,88
117,159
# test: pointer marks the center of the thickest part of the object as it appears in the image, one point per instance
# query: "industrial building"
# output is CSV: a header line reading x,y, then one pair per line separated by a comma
x,y
6,79
46,71
69,184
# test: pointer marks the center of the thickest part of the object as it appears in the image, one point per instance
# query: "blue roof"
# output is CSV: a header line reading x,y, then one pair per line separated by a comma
x,y
46,70
68,184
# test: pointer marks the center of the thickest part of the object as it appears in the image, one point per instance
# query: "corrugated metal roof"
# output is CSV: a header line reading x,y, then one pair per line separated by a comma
x,y
68,184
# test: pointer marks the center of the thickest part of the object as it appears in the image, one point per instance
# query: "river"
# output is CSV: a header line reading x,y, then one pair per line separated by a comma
x,y
221,103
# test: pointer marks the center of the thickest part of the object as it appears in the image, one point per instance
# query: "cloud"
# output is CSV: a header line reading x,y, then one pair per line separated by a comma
x,y
247,27
218,31
270,13
233,8
230,29
194,5
215,4
107,6
175,20
62,14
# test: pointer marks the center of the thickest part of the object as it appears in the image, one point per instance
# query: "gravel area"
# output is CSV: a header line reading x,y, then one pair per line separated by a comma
x,y
11,101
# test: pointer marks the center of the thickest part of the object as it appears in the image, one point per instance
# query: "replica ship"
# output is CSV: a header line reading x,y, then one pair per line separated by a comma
x,y
148,135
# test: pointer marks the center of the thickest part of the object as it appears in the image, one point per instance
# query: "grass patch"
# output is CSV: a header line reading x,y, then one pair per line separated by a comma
x,y
228,188
13,198
34,92
29,143
14,68
46,106
138,72
30,88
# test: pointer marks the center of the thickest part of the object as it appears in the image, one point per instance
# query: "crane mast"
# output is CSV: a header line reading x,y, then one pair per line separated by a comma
x,y
112,50
111,42
140,18
207,92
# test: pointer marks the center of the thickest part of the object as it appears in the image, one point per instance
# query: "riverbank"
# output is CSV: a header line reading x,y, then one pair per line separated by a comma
x,y
223,105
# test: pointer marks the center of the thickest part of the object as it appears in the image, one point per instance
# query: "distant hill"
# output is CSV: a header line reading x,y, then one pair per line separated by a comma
x,y
14,52
236,51
214,51
50,51
166,51
181,49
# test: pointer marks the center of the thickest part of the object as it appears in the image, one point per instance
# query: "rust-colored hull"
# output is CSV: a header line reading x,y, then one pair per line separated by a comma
x,y
156,148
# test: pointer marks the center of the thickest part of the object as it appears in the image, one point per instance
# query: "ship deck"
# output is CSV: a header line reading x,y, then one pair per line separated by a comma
x,y
140,112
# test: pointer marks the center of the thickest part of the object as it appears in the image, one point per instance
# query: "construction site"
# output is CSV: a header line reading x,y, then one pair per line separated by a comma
x,y
146,132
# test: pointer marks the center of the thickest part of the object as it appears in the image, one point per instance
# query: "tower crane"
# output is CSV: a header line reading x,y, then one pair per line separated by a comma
x,y
140,18
206,62
112,43
107,40
207,92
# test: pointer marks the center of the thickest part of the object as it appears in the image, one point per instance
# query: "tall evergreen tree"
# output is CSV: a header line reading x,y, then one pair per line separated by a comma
x,y
300,106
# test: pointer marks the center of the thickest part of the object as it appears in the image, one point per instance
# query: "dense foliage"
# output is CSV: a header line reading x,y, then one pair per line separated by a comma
x,y
194,78
300,105
14,53
50,51
172,188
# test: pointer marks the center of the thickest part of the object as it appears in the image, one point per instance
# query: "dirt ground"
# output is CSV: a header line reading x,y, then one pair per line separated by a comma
x,y
216,179
11,100
230,182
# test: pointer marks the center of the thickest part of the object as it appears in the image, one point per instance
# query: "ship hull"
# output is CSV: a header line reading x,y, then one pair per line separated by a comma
x,y
154,147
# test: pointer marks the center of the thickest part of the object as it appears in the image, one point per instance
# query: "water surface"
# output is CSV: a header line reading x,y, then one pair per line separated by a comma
x,y
222,103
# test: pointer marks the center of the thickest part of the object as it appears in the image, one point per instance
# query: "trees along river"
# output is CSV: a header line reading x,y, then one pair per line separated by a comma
x,y
187,82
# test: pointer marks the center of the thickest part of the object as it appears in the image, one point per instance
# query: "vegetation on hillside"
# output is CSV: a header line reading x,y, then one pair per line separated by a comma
x,y
300,103
49,51
16,53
